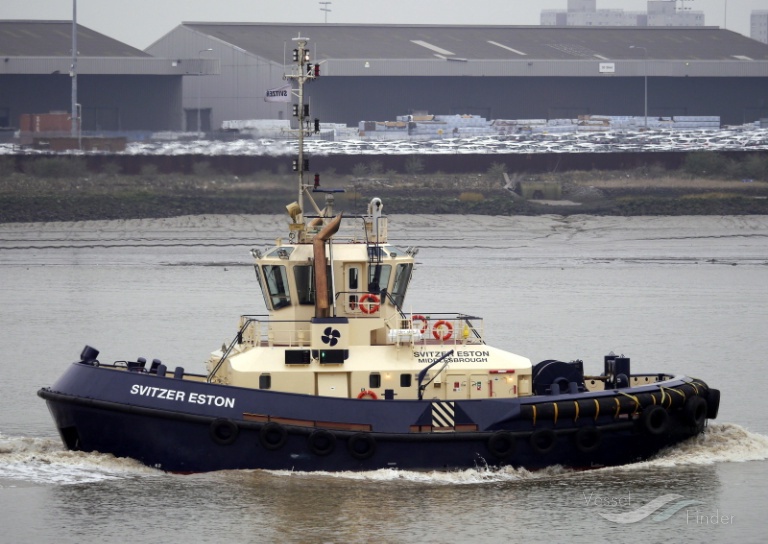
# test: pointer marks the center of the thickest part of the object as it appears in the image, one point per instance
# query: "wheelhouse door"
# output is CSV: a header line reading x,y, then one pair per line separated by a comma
x,y
352,287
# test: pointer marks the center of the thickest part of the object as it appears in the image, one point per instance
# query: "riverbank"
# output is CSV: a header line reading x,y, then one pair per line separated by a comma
x,y
29,198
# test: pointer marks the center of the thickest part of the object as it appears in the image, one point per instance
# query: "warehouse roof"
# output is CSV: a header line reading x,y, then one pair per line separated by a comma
x,y
425,42
54,39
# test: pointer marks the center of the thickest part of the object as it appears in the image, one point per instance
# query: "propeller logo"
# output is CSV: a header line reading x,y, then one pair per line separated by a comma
x,y
331,336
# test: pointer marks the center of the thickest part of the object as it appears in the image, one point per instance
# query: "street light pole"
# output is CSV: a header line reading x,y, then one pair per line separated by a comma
x,y
199,84
645,80
75,127
325,8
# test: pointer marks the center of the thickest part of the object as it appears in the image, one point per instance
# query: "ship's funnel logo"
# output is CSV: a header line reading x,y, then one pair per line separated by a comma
x,y
331,336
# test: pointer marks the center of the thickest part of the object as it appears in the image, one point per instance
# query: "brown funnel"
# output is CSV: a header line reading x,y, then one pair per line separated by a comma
x,y
321,275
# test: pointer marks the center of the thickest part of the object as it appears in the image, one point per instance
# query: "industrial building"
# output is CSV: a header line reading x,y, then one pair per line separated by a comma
x,y
377,72
119,88
201,74
659,13
758,21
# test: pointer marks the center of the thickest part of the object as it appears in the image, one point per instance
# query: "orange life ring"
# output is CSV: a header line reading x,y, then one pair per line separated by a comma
x,y
367,394
369,307
448,330
421,318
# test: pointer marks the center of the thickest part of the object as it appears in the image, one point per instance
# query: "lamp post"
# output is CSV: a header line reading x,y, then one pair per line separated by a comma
x,y
325,8
75,128
199,84
645,80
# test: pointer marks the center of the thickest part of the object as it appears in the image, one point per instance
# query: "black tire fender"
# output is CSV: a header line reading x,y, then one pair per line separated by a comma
x,y
543,440
502,444
321,442
272,436
224,431
588,439
695,411
361,446
655,419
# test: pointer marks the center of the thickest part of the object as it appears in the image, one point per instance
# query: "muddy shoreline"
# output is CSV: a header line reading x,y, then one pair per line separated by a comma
x,y
28,199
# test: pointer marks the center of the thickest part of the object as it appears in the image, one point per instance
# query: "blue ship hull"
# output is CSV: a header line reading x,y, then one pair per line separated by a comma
x,y
184,425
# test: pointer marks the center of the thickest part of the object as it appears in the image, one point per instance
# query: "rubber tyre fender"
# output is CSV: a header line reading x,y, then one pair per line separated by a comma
x,y
502,444
224,431
273,436
713,403
588,439
655,420
321,442
543,441
695,411
361,446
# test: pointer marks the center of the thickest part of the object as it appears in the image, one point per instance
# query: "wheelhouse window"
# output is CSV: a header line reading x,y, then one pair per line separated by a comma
x,y
262,285
402,278
305,283
276,279
378,277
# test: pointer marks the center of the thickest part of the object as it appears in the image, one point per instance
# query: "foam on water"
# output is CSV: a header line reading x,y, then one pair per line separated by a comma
x,y
44,461
720,443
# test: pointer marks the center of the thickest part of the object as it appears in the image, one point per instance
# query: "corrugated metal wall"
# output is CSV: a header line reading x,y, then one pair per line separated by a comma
x,y
353,99
110,102
238,92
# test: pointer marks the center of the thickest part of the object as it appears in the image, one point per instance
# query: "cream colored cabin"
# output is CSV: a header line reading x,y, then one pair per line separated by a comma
x,y
355,341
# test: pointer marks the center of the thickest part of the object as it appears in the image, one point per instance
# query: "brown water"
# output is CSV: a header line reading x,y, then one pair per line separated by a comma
x,y
683,294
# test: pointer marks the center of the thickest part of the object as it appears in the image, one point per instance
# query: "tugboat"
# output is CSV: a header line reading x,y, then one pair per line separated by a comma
x,y
339,377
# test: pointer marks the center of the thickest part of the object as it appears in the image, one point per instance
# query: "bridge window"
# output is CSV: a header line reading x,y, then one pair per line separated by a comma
x,y
402,277
277,285
378,277
305,283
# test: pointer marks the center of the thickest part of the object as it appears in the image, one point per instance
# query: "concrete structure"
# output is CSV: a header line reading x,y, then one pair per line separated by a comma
x,y
376,73
759,25
585,13
120,88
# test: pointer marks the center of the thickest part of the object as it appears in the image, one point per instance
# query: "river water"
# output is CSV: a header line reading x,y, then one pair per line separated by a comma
x,y
682,294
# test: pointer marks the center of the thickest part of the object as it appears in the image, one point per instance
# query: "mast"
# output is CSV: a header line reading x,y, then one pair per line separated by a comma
x,y
303,71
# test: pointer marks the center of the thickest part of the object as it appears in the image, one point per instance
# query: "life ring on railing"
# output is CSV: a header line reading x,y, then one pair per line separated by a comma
x,y
442,335
369,307
367,394
421,318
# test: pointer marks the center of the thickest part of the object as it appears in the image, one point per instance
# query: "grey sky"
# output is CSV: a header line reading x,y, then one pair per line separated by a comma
x,y
141,22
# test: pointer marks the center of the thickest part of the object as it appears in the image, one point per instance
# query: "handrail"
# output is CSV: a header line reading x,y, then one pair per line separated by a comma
x,y
238,339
